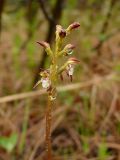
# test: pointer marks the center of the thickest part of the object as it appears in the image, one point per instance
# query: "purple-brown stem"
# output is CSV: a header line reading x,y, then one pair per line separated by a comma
x,y
48,130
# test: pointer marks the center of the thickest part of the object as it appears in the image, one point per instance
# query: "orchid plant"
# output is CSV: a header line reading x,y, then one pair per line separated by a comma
x,y
50,76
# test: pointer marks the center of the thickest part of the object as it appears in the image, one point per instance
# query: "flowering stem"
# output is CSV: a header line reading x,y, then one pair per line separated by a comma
x,y
49,109
49,76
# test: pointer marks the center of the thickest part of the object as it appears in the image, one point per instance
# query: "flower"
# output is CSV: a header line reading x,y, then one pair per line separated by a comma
x,y
69,49
44,44
74,25
70,69
71,62
60,31
45,82
52,93
70,66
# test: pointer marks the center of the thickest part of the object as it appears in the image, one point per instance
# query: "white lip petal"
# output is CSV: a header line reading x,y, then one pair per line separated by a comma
x,y
70,72
45,83
70,69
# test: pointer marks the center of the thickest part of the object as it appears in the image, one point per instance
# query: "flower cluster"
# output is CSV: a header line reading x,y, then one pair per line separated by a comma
x,y
49,76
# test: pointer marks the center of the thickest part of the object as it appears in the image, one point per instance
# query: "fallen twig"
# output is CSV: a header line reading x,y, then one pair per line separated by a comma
x,y
20,96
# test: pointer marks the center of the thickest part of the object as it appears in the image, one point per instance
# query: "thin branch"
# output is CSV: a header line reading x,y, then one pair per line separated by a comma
x,y
105,26
56,15
2,2
111,109
109,36
46,13
47,16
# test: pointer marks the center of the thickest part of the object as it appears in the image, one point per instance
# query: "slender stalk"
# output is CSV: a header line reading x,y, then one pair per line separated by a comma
x,y
48,129
49,108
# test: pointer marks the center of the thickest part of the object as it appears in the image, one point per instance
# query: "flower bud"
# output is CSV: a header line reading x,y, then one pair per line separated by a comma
x,y
74,25
69,49
45,73
44,44
61,32
69,46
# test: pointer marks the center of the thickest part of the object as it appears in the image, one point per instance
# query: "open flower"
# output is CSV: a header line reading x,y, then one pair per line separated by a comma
x,y
45,80
70,69
70,66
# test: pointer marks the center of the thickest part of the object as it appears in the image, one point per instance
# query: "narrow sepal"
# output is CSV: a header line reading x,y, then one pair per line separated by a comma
x,y
43,44
72,26
37,84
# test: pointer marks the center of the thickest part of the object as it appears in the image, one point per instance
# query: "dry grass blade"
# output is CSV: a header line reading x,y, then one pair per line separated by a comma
x,y
57,122
112,108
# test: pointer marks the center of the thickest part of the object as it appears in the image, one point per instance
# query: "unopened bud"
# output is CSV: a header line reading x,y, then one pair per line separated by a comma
x,y
73,61
69,46
61,32
74,25
44,44
69,49
45,73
